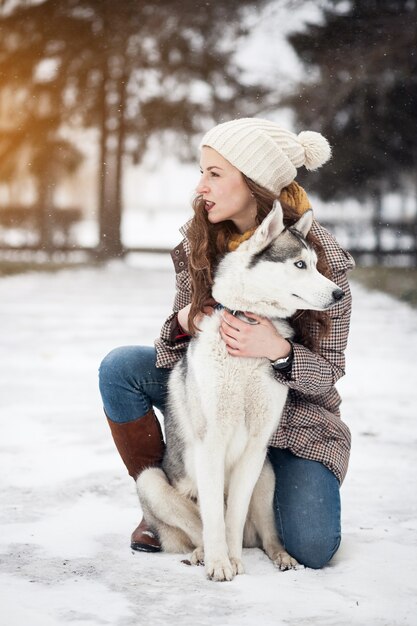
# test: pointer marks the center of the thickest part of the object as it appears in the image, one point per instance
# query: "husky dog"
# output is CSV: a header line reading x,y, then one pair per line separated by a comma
x,y
214,492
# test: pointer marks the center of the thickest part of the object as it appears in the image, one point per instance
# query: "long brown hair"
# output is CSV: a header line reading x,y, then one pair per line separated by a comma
x,y
209,243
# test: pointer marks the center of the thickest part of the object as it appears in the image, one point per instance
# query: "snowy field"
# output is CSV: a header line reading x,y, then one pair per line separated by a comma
x,y
68,506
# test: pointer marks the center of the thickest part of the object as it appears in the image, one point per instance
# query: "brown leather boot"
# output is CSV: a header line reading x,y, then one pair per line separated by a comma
x,y
143,539
141,445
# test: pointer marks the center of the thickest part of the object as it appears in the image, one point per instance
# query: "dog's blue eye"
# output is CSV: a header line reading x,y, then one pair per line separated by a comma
x,y
301,265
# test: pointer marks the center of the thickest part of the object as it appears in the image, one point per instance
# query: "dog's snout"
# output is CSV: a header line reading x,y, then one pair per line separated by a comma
x,y
338,294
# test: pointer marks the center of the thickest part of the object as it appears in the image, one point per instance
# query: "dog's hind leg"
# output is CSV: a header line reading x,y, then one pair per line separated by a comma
x,y
261,519
175,517
173,540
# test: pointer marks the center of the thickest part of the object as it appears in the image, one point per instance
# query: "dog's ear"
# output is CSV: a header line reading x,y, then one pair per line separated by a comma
x,y
271,227
304,224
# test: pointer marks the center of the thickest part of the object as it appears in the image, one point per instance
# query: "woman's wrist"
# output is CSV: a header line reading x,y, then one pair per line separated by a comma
x,y
280,349
283,364
182,318
181,326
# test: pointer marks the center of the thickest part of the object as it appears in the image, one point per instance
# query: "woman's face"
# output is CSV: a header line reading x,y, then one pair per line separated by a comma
x,y
226,195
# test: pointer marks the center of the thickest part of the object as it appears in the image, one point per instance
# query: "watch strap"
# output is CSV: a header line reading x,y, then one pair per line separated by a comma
x,y
284,363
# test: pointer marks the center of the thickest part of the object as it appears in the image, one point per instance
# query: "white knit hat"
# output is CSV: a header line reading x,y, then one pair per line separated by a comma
x,y
265,152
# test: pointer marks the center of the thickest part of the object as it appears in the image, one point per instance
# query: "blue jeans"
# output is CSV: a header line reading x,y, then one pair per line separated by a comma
x,y
307,498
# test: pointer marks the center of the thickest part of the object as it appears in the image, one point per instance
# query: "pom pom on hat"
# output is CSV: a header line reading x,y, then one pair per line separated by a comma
x,y
316,148
265,152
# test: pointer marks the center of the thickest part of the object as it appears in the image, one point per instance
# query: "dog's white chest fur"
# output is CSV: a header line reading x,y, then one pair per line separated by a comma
x,y
231,386
228,399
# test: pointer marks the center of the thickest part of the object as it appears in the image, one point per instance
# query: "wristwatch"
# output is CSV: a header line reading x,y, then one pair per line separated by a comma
x,y
283,362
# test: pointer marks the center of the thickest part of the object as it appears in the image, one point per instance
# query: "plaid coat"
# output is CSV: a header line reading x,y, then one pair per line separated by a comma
x,y
310,426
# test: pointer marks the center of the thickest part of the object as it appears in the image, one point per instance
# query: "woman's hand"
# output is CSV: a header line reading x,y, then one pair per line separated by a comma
x,y
182,317
253,340
182,314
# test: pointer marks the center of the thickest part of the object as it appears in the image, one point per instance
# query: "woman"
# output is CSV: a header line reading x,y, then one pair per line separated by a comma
x,y
245,165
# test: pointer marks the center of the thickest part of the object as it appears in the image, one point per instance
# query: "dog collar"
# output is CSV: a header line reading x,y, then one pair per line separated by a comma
x,y
240,315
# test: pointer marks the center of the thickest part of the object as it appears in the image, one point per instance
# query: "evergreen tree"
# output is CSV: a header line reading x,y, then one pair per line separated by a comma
x,y
361,94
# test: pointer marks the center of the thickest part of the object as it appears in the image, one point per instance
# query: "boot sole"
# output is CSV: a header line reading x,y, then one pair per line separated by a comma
x,y
144,547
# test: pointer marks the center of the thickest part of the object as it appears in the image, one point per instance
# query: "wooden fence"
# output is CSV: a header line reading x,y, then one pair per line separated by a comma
x,y
374,241
370,242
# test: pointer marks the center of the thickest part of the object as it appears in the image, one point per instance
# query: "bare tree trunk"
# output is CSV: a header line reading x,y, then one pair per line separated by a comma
x,y
120,145
378,224
45,207
111,152
415,207
111,209
103,160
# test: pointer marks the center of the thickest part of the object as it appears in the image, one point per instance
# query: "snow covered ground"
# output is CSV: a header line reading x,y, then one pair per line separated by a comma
x,y
68,507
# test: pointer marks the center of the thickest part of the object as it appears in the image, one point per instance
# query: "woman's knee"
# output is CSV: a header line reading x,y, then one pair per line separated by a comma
x,y
110,364
307,507
118,372
313,551
110,369
120,363
130,383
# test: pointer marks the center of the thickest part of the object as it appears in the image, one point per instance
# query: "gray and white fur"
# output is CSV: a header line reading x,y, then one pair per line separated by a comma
x,y
214,492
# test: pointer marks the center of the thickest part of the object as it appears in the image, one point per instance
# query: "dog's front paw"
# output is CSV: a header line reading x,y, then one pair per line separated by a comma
x,y
197,557
219,569
237,565
284,561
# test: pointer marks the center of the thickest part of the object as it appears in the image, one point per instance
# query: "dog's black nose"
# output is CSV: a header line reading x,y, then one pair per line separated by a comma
x,y
338,294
